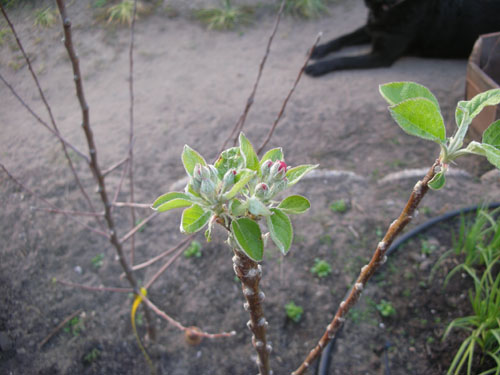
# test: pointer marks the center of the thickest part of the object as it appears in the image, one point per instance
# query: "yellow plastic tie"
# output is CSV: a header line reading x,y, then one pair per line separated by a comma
x,y
135,305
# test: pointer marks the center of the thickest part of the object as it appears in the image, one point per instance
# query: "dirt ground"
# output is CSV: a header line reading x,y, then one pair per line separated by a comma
x,y
191,86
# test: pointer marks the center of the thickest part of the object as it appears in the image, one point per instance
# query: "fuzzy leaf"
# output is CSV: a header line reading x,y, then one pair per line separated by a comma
x,y
474,106
490,152
236,208
194,219
491,136
296,173
229,159
294,204
437,181
190,158
241,179
246,148
257,208
273,154
420,117
249,237
396,92
165,201
280,228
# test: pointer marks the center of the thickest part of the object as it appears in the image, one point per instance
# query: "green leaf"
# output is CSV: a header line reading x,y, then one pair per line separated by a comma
x,y
169,197
397,92
241,179
294,204
249,237
257,208
280,228
490,152
246,148
229,159
421,118
296,173
190,158
437,181
474,106
491,136
273,155
236,208
194,219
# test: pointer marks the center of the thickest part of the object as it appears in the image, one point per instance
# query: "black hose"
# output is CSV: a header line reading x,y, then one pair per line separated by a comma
x,y
325,360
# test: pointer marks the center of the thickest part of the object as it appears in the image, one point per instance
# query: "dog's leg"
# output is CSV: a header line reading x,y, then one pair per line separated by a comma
x,y
386,50
357,37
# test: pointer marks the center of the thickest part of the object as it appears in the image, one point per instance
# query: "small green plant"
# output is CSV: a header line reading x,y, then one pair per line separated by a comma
x,y
306,8
123,12
74,326
293,311
45,17
194,250
321,268
97,261
99,3
4,34
91,357
226,17
339,206
385,308
427,248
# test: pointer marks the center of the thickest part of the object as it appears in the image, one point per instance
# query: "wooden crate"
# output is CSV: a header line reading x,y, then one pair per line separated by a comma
x,y
483,73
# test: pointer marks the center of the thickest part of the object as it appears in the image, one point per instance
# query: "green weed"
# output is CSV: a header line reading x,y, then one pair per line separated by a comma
x,y
194,250
306,8
321,268
97,261
45,17
226,17
339,206
385,308
293,311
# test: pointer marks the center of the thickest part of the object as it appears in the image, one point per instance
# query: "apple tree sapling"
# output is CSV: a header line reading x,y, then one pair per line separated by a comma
x,y
237,192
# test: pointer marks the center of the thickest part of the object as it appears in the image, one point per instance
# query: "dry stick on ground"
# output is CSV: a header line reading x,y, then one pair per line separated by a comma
x,y
131,131
71,217
51,116
282,110
95,288
58,328
94,165
66,212
43,123
128,204
368,270
165,266
250,100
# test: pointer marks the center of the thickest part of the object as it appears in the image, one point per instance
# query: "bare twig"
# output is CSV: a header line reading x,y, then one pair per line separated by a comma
x,y
120,184
241,122
49,111
131,233
114,166
95,288
58,328
182,244
181,327
43,123
165,266
127,204
71,217
131,132
271,131
368,270
66,212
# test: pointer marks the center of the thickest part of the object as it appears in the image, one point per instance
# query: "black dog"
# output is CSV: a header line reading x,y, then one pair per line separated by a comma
x,y
428,28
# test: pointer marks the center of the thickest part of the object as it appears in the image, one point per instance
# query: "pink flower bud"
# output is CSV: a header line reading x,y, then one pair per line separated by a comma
x,y
261,190
278,170
228,180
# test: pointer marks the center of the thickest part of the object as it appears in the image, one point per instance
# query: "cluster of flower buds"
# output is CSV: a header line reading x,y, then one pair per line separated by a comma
x,y
205,181
273,179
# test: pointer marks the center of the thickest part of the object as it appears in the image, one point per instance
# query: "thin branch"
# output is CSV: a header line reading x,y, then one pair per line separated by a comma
x,y
128,204
58,328
71,217
368,270
241,122
49,110
114,166
181,327
66,212
131,131
138,227
271,131
182,244
164,267
95,288
43,123
120,184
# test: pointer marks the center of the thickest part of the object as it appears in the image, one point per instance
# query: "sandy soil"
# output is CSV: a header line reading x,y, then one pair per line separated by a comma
x,y
191,86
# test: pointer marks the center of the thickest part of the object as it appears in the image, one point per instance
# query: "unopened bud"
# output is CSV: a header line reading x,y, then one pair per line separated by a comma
x,y
228,180
262,191
278,170
207,189
197,172
266,168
